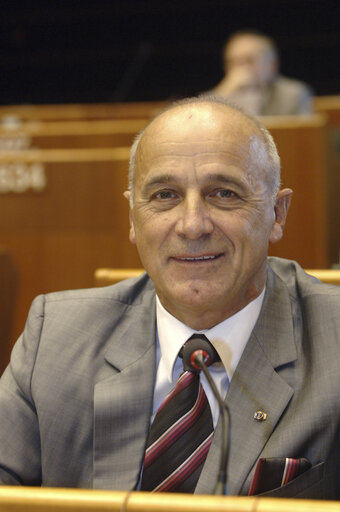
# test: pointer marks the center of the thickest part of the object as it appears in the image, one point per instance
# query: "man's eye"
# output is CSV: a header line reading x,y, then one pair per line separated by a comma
x,y
225,193
223,197
165,194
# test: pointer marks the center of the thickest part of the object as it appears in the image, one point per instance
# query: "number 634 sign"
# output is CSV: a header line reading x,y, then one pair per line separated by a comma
x,y
21,177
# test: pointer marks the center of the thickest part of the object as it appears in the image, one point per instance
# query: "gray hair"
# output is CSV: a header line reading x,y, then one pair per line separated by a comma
x,y
265,155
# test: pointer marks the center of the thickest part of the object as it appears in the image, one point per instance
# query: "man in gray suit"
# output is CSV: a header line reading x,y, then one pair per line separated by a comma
x,y
252,80
92,366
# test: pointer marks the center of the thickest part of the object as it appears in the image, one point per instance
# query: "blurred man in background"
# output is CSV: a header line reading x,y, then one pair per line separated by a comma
x,y
252,78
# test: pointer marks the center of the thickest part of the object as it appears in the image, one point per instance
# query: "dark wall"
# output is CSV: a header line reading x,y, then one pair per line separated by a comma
x,y
93,51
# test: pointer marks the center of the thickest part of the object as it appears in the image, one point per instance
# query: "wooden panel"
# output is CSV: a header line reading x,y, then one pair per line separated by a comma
x,y
62,260
330,106
59,235
8,292
302,146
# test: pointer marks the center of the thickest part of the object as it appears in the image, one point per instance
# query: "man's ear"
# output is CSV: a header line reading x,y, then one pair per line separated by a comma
x,y
132,235
282,204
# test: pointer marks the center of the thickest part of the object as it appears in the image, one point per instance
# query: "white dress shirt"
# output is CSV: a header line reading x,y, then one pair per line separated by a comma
x,y
229,338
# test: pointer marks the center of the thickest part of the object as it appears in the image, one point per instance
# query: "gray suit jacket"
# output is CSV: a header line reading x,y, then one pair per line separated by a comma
x,y
76,399
287,96
284,96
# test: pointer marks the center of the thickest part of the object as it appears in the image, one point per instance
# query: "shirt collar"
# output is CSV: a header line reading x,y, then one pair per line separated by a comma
x,y
228,337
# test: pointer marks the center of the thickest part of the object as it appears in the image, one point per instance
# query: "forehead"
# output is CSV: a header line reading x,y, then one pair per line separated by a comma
x,y
245,45
203,132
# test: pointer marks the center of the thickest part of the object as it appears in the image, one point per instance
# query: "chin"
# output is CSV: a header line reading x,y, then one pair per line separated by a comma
x,y
198,296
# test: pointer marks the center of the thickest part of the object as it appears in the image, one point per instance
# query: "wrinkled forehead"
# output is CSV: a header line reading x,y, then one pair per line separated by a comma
x,y
197,127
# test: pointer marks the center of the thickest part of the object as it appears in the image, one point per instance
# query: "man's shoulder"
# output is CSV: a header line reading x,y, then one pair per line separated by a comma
x,y
132,291
78,314
300,283
291,84
288,96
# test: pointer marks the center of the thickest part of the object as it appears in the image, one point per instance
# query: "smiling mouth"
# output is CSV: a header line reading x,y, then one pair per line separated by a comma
x,y
199,259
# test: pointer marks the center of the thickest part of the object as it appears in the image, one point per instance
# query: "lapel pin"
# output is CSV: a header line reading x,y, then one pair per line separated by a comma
x,y
260,416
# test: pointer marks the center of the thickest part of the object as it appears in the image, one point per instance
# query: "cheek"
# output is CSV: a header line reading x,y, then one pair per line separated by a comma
x,y
245,228
151,230
142,223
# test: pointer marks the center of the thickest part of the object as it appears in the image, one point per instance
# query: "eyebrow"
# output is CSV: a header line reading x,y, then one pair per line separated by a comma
x,y
168,178
160,179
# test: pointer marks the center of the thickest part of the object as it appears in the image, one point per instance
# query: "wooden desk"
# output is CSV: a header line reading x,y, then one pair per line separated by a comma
x,y
35,499
129,110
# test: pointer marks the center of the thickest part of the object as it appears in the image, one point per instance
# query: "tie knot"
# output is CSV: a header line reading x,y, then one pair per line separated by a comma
x,y
198,345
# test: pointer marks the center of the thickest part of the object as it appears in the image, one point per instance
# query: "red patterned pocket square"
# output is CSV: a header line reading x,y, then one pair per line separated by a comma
x,y
276,472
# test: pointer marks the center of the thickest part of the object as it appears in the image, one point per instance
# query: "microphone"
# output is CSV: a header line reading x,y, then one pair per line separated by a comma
x,y
198,354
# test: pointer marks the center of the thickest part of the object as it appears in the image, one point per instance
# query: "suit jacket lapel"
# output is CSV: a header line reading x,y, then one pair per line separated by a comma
x,y
256,386
123,397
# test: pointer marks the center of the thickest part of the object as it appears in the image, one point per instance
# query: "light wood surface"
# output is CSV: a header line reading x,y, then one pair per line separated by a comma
x,y
29,499
72,127
70,134
330,276
108,276
128,110
65,155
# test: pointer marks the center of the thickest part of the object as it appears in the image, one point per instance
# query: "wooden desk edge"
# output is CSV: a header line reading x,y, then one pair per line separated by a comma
x,y
65,155
57,499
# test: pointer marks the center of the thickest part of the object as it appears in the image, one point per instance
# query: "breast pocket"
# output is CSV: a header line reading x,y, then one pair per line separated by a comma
x,y
307,485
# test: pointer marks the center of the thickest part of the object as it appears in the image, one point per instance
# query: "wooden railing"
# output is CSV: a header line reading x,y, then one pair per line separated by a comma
x,y
29,499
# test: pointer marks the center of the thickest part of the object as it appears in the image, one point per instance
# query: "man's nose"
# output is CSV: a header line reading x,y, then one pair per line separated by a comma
x,y
194,219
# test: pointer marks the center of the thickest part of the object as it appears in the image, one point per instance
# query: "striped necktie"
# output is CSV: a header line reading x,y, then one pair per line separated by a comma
x,y
179,438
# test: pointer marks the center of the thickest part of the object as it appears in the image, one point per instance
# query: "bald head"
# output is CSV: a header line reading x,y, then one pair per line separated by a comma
x,y
217,117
